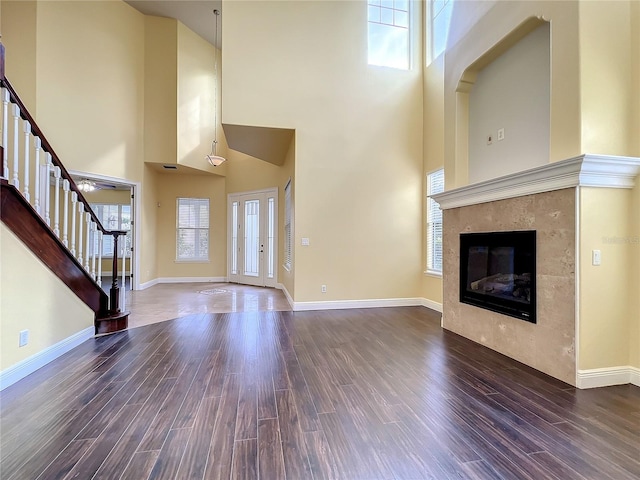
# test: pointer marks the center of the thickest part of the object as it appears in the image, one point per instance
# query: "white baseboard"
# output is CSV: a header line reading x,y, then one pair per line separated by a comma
x,y
156,281
280,286
346,304
432,305
606,377
29,365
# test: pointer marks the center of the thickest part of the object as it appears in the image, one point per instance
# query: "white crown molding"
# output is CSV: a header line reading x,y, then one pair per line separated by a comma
x,y
29,365
606,377
586,170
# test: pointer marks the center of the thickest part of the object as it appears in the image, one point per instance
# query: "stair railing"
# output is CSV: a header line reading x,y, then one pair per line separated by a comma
x,y
30,164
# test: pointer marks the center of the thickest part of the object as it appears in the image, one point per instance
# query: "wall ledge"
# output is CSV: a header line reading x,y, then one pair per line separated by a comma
x,y
606,377
20,370
585,170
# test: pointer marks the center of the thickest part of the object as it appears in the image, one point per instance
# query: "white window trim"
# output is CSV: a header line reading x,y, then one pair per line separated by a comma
x,y
288,219
208,228
411,29
429,271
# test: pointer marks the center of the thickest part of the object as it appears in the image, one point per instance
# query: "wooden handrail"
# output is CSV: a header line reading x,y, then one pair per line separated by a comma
x,y
46,146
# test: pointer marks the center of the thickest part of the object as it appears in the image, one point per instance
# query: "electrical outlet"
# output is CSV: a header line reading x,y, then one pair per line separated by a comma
x,y
305,242
323,289
596,259
489,139
501,134
24,337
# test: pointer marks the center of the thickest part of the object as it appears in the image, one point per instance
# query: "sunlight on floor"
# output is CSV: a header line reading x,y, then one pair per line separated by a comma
x,y
169,301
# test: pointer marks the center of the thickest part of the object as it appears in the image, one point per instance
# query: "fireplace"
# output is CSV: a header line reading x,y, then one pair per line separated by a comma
x,y
498,272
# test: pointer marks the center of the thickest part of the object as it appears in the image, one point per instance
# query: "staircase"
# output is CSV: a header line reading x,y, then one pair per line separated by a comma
x,y
45,209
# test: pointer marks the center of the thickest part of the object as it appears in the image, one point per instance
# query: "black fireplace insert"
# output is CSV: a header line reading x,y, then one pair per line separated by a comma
x,y
498,272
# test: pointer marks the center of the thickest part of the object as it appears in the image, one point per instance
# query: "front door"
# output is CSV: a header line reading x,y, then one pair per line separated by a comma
x,y
253,221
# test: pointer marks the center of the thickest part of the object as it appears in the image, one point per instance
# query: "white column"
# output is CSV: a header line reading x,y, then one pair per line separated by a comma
x,y
99,279
36,202
81,212
88,247
65,213
47,188
74,201
27,136
5,132
56,200
16,146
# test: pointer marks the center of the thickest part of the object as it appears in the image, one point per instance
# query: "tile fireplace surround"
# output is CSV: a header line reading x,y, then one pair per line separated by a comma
x,y
542,199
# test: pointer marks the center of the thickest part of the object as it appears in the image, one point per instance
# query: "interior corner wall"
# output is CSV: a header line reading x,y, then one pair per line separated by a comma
x,y
358,173
609,96
149,231
196,99
607,292
512,94
56,315
170,187
484,28
160,90
433,148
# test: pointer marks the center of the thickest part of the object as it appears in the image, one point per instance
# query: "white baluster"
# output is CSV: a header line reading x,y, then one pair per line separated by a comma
x,y
16,143
36,201
99,279
27,136
74,201
88,247
81,212
94,228
65,215
56,201
47,189
5,132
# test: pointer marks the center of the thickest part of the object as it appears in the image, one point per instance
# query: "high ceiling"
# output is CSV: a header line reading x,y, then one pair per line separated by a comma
x,y
195,14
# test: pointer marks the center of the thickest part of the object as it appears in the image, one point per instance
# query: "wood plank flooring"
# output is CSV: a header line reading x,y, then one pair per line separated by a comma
x,y
371,394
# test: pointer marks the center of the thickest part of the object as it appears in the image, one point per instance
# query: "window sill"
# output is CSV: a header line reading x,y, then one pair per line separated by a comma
x,y
433,273
194,260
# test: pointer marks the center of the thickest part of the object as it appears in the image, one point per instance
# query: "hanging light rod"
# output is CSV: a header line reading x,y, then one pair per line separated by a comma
x,y
213,158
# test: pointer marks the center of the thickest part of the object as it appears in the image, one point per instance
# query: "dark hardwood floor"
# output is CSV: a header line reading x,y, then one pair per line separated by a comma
x,y
355,394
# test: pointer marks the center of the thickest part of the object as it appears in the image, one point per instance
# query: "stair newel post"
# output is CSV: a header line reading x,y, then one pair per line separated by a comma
x,y
74,201
100,239
16,146
47,188
87,249
37,144
65,213
5,133
56,200
81,217
114,292
93,249
124,272
27,137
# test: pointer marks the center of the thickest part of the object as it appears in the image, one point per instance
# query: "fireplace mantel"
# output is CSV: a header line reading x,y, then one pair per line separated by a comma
x,y
585,170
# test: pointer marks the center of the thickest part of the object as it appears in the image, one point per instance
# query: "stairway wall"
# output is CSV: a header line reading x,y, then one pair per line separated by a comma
x,y
33,299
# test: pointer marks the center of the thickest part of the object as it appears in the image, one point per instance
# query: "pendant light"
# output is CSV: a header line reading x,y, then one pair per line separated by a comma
x,y
212,158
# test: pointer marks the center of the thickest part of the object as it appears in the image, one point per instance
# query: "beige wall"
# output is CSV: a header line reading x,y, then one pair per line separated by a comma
x,y
358,160
608,309
56,315
149,226
608,88
169,189
160,90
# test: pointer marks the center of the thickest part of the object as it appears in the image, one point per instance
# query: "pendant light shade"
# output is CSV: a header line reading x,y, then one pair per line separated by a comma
x,y
214,159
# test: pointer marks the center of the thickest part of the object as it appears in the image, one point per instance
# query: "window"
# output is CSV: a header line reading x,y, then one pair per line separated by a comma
x,y
389,32
288,233
435,184
113,217
439,18
192,242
